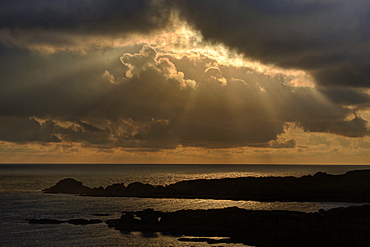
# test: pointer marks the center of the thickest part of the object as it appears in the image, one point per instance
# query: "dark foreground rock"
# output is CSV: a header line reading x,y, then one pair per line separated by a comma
x,y
84,222
208,240
336,227
69,186
354,186
101,214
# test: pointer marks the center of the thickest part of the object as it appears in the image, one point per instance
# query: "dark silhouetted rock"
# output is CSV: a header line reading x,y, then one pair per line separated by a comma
x,y
149,216
115,189
354,186
101,214
68,185
84,222
207,240
336,227
128,217
138,188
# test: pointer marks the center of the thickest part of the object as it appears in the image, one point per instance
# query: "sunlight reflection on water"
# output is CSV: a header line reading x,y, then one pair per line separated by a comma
x,y
20,199
17,206
36,177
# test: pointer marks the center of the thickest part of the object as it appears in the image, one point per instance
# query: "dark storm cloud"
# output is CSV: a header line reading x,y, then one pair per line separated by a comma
x,y
17,129
142,98
356,127
347,96
150,99
56,85
327,38
86,16
23,130
76,24
212,112
156,105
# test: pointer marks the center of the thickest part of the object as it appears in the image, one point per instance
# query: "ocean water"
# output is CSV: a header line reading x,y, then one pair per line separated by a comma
x,y
20,199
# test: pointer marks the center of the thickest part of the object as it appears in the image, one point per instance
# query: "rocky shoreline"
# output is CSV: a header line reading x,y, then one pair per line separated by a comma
x,y
335,227
354,186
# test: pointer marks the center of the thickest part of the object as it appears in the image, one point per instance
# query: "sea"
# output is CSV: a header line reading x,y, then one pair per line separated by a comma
x,y
21,198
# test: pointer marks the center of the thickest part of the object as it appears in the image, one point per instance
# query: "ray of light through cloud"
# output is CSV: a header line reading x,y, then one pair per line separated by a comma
x,y
164,90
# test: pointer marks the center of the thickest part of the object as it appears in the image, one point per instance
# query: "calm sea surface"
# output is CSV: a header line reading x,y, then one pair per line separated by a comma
x,y
20,198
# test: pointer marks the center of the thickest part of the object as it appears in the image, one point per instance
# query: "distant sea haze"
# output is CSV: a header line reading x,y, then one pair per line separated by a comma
x,y
20,199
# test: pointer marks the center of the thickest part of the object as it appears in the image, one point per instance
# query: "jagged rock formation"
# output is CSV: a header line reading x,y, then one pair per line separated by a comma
x,y
354,186
339,227
336,227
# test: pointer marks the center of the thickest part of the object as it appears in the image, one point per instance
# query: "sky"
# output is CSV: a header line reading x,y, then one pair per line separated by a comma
x,y
185,81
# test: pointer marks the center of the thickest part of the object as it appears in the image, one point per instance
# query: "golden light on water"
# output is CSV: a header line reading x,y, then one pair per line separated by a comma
x,y
144,96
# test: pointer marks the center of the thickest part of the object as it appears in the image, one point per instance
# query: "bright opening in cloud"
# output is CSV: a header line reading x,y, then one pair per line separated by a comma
x,y
162,80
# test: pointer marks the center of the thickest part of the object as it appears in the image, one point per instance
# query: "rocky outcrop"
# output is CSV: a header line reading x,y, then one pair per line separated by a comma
x,y
69,186
101,214
336,227
84,222
353,186
339,227
115,189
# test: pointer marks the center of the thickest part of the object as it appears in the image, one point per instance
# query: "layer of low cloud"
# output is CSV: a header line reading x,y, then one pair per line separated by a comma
x,y
151,98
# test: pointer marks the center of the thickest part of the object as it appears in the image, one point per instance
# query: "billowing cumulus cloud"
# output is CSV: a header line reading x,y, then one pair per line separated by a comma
x,y
151,98
327,38
150,94
283,144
